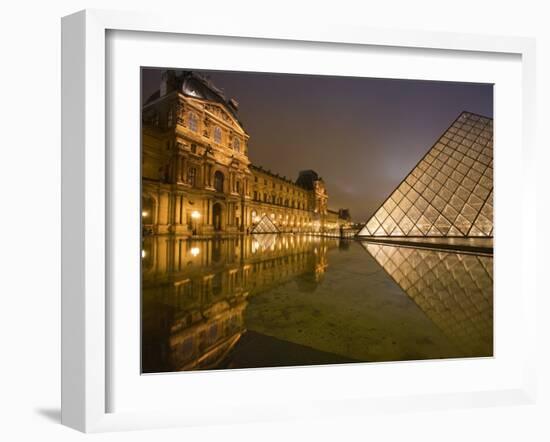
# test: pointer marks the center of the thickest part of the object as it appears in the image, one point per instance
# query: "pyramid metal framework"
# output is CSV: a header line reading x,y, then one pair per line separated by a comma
x,y
449,193
454,290
265,225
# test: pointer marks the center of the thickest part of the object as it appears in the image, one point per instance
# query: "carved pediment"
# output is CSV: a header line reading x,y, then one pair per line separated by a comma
x,y
219,111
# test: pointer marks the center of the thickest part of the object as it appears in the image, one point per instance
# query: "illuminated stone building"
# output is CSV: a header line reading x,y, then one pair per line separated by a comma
x,y
197,178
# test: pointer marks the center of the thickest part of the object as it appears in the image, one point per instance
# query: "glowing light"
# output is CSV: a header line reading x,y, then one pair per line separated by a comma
x,y
144,213
195,251
195,214
143,253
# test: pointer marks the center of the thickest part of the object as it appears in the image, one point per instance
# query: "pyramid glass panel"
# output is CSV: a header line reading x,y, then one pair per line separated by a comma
x,y
449,192
265,225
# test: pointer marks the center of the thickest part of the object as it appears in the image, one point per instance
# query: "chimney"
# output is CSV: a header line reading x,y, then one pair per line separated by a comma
x,y
167,81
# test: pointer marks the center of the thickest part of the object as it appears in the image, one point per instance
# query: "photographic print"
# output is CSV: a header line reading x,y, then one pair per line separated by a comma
x,y
295,220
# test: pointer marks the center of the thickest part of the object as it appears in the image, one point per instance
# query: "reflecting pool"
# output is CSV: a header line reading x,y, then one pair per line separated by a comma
x,y
284,300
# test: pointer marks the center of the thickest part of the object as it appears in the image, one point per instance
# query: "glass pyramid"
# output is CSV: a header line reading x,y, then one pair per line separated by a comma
x,y
454,290
265,225
450,191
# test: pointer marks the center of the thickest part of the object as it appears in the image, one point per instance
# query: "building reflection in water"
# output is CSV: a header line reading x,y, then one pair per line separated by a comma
x,y
454,290
195,294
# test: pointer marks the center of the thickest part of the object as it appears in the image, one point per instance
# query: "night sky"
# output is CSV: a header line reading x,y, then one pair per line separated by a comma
x,y
361,135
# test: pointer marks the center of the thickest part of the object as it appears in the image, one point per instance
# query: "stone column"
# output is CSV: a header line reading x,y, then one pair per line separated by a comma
x,y
182,169
175,208
163,212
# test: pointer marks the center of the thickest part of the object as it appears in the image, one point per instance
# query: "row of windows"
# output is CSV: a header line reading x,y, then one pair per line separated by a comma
x,y
218,185
273,199
193,124
255,216
218,180
287,189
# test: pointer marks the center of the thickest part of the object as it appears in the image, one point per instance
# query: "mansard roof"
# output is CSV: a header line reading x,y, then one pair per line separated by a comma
x,y
195,85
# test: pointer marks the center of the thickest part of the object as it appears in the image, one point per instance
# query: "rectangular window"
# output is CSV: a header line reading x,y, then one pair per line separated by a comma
x,y
192,176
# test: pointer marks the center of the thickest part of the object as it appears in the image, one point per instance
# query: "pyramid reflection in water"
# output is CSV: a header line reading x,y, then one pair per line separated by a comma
x,y
454,290
449,193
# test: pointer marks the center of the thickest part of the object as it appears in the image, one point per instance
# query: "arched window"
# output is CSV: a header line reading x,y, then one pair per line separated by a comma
x,y
193,122
236,144
218,181
192,176
217,135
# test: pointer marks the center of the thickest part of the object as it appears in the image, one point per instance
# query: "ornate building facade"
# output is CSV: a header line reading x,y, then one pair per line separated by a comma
x,y
197,178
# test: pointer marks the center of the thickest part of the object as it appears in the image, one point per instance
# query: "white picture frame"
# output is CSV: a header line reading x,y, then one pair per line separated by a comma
x,y
86,315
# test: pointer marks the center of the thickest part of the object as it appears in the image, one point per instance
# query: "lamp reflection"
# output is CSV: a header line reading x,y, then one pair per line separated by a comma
x,y
193,311
202,298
